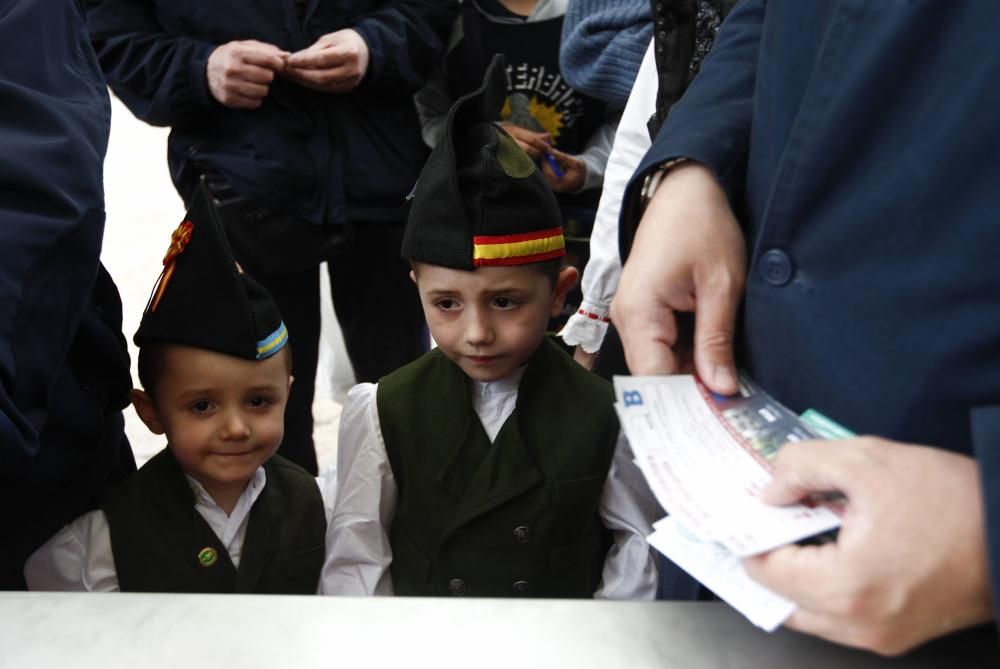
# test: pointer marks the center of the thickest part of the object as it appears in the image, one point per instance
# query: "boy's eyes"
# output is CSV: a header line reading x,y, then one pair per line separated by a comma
x,y
500,302
258,402
504,302
205,406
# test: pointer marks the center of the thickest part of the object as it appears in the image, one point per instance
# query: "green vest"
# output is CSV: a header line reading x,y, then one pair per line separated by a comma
x,y
157,535
518,517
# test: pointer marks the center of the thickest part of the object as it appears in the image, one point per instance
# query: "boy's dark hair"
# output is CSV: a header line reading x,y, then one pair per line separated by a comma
x,y
151,365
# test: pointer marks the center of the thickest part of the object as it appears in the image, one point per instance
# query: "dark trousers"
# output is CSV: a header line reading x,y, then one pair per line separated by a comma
x,y
379,313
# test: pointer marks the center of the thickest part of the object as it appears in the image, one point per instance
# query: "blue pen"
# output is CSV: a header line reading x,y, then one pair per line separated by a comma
x,y
554,164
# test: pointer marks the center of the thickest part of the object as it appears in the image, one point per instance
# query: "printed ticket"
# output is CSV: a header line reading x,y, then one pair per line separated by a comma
x,y
706,459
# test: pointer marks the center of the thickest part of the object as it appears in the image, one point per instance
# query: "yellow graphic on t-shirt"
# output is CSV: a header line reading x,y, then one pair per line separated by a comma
x,y
532,114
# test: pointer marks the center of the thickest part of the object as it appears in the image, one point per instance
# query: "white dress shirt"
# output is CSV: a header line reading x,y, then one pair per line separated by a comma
x,y
588,326
358,551
79,556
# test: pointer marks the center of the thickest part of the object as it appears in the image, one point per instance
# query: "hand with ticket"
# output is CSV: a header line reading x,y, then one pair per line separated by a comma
x,y
910,562
689,255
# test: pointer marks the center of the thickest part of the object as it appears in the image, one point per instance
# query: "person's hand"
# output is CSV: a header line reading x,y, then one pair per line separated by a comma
x,y
910,561
574,172
535,144
240,73
335,63
688,256
584,359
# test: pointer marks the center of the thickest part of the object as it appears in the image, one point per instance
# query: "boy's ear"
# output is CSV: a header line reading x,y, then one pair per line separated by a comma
x,y
564,283
146,409
291,380
413,277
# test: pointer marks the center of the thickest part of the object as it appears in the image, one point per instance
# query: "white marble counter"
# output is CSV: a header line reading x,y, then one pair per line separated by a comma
x,y
42,630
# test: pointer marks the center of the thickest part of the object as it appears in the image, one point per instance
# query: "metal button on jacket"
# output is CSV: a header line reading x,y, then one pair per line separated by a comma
x,y
776,267
521,587
522,533
456,587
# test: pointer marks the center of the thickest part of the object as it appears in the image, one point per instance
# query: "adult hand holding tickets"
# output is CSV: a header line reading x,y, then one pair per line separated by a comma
x,y
240,73
688,256
335,63
909,563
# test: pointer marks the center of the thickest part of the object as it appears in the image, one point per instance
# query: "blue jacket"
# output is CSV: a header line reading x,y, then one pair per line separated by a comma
x,y
860,146
323,157
64,368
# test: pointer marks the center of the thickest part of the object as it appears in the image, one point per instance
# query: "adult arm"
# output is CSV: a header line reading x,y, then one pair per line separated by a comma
x,y
689,253
628,509
160,77
54,123
600,277
910,562
358,553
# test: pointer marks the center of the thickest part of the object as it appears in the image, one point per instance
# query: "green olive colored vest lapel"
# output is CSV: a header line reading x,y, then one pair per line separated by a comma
x,y
505,472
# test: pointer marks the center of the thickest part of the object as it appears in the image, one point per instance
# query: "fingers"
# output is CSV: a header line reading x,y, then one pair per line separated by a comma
x,y
266,56
807,467
239,74
649,337
714,327
798,573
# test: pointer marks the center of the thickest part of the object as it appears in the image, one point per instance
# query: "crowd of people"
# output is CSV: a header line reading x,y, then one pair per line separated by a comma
x,y
798,190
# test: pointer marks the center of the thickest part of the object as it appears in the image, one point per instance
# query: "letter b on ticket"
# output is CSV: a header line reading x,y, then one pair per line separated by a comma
x,y
632,398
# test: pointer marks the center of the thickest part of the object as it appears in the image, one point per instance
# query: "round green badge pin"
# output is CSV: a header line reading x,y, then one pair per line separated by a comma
x,y
207,557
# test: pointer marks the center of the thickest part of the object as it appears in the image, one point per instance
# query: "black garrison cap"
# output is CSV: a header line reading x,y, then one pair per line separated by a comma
x,y
204,299
480,199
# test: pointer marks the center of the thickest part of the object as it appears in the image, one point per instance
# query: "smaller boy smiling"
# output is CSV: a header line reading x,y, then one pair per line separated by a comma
x,y
493,465
215,511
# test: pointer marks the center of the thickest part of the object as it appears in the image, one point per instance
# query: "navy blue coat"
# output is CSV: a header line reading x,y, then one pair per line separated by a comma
x,y
64,369
859,142
322,157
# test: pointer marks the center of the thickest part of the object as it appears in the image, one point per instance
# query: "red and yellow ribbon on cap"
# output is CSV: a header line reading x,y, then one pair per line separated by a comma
x,y
519,249
179,239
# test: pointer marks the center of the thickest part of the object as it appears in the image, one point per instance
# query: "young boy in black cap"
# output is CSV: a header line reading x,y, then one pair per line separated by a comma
x,y
482,468
216,511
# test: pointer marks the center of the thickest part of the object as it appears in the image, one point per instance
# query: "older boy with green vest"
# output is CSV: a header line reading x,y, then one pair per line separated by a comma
x,y
482,468
216,511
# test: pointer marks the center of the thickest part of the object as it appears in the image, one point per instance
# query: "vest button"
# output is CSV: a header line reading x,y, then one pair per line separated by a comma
x,y
521,587
522,533
776,267
456,587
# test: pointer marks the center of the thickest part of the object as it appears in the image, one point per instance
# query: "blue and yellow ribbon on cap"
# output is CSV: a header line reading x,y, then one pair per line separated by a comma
x,y
272,343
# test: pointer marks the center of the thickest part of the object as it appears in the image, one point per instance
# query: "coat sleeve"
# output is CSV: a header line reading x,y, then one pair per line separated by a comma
x,y
711,123
54,122
405,39
628,509
160,77
358,553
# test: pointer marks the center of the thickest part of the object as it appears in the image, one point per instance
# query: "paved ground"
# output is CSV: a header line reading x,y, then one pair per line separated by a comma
x,y
143,209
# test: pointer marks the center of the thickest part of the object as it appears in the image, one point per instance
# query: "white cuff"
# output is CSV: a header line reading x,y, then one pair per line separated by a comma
x,y
587,327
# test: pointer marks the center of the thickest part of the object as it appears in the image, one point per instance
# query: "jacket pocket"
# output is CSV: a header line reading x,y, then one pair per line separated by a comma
x,y
577,491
